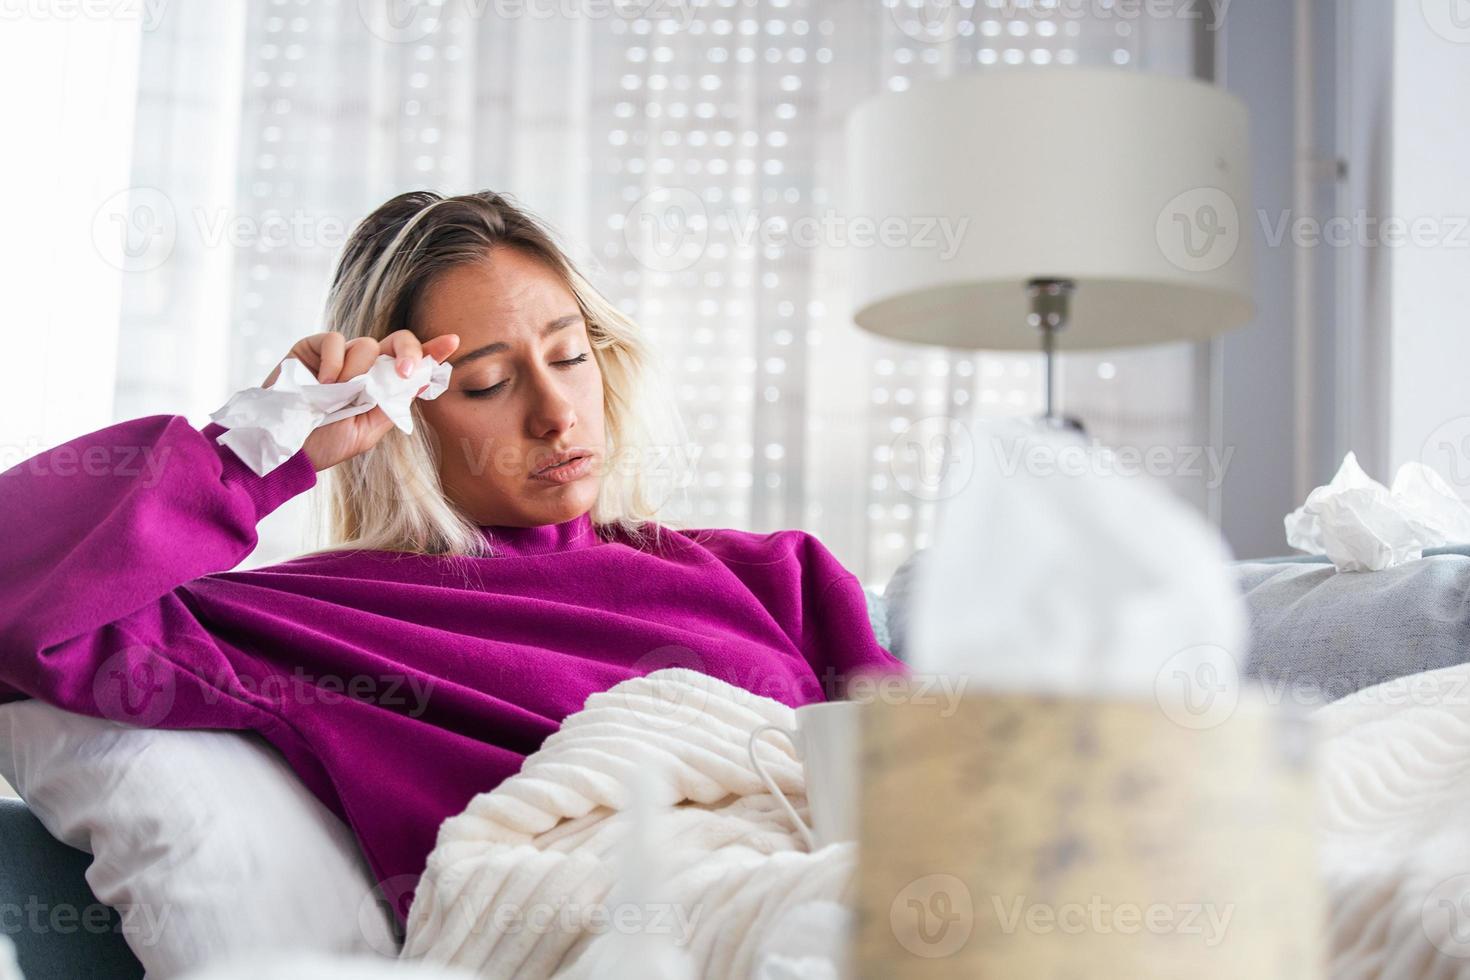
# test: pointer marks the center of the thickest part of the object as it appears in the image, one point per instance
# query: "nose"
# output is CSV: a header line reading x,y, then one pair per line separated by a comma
x,y
551,412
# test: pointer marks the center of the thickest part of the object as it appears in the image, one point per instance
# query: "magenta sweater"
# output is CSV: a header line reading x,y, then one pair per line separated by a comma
x,y
397,686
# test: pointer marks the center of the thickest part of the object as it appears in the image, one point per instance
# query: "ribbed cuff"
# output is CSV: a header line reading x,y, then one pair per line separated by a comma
x,y
295,476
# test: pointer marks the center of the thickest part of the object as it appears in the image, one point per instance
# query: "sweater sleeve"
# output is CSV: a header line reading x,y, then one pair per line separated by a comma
x,y
102,534
838,637
846,646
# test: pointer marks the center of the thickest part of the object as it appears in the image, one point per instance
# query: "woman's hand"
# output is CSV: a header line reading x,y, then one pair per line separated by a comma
x,y
333,358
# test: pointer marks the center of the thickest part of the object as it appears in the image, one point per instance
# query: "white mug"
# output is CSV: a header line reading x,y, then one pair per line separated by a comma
x,y
826,742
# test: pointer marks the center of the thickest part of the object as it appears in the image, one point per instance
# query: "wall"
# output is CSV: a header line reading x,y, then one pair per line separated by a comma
x,y
1429,337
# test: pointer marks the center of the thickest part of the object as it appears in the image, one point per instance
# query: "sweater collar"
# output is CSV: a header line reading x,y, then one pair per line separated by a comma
x,y
543,538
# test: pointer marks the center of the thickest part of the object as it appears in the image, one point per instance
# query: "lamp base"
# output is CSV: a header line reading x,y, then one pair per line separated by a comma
x,y
1067,423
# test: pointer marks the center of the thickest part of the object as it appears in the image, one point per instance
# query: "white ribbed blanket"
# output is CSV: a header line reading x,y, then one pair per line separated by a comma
x,y
1395,828
548,843
1394,831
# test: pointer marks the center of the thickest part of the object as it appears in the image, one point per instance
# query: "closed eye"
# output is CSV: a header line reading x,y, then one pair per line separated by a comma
x,y
487,392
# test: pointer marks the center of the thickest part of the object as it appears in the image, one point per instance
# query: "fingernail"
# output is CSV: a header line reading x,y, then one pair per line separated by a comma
x,y
405,366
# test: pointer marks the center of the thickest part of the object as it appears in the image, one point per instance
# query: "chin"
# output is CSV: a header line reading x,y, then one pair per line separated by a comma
x,y
555,504
544,505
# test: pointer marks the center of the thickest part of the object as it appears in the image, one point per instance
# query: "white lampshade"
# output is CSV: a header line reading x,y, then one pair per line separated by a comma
x,y
1134,186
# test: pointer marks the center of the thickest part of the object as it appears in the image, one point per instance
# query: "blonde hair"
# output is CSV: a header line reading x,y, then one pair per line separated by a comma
x,y
390,498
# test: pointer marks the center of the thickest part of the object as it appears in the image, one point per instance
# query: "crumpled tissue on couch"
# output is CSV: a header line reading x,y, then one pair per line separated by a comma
x,y
1361,525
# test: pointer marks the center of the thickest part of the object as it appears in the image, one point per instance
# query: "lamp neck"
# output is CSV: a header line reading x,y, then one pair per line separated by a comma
x,y
1050,305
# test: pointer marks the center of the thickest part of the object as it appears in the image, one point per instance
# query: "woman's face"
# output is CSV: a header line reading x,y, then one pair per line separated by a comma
x,y
525,387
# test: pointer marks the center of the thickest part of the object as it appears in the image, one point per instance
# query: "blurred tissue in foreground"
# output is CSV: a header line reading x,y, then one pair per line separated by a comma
x,y
1056,574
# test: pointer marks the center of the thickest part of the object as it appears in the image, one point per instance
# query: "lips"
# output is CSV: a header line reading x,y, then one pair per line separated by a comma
x,y
561,459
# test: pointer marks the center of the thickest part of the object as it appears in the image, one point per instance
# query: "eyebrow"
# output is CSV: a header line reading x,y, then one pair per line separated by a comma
x,y
560,323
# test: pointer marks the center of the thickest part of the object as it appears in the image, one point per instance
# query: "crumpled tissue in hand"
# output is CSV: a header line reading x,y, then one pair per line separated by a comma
x,y
1363,526
267,426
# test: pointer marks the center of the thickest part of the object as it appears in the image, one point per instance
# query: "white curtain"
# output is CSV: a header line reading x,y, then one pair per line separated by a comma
x,y
267,128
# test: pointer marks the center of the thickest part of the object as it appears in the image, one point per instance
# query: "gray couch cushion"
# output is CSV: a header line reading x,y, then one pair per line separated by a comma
x,y
896,601
60,930
1318,634
878,618
1450,549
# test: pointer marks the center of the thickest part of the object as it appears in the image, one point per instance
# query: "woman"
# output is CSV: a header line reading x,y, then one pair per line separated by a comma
x,y
488,573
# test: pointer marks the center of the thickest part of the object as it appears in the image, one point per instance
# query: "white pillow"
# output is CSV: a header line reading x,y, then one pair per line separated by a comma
x,y
206,842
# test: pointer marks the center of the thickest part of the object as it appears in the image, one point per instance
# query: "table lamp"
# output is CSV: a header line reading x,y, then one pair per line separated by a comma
x,y
1092,208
